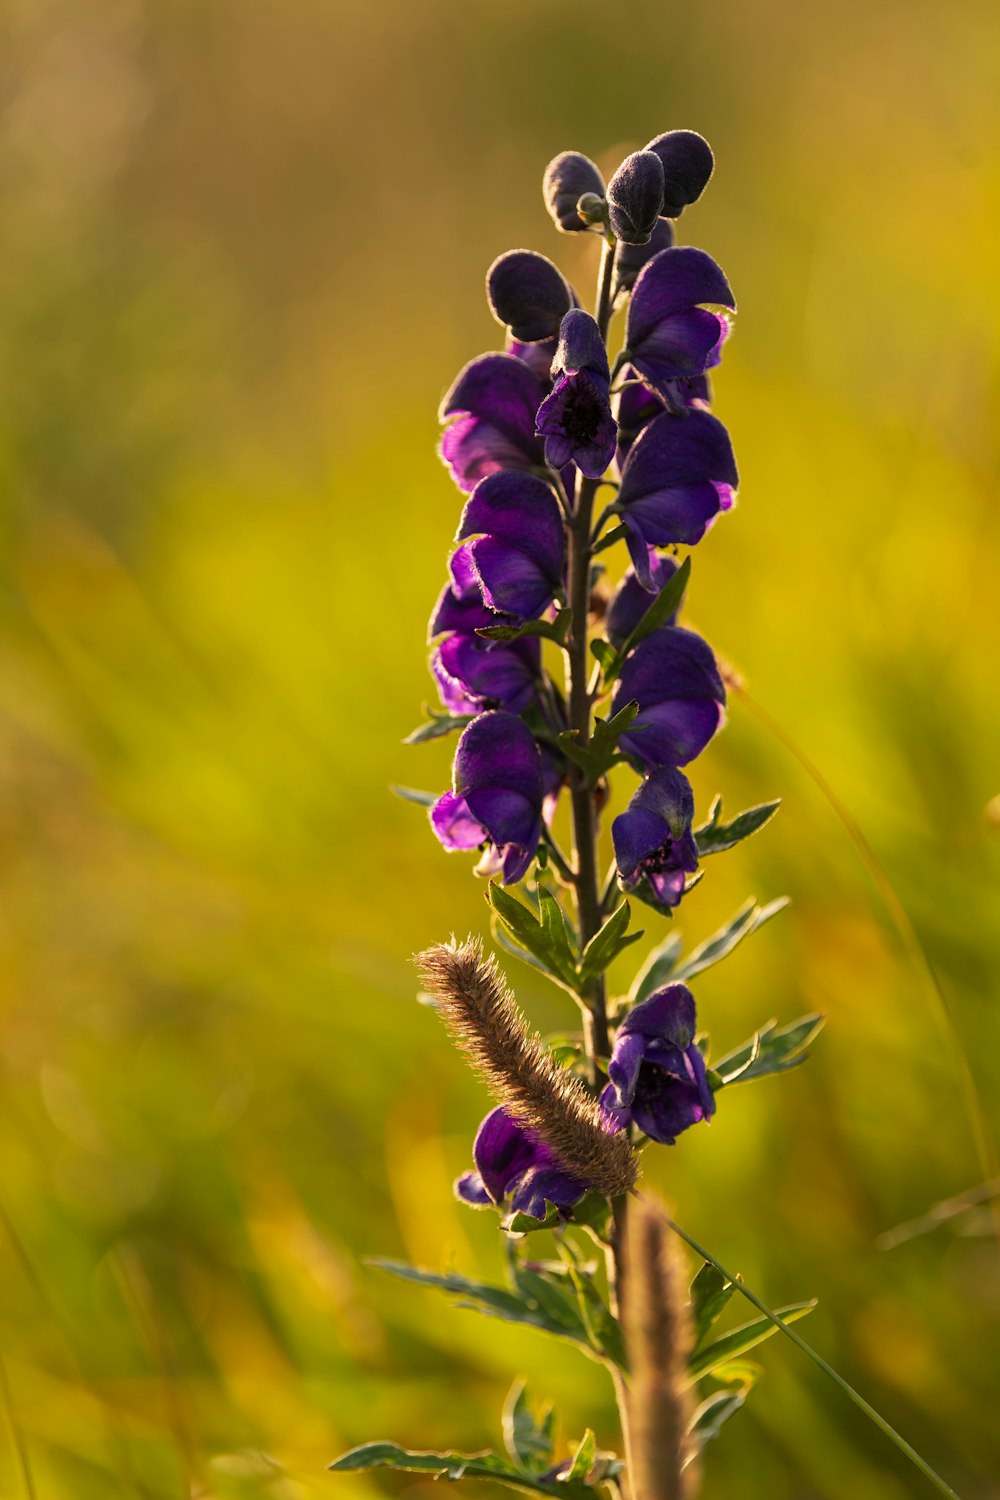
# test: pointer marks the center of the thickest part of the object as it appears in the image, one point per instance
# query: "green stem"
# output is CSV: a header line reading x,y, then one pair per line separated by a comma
x,y
817,1359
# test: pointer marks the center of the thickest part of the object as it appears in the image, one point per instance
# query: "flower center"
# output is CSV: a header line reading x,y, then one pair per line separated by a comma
x,y
582,416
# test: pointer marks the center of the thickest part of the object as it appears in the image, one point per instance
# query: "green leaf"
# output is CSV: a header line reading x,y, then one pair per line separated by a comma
x,y
713,1413
583,1459
456,1466
710,1294
747,1336
528,1440
609,538
603,1328
713,837
550,630
770,1050
747,920
606,945
517,1306
542,937
520,1223
411,794
658,613
598,755
657,969
553,924
437,726
604,652
503,940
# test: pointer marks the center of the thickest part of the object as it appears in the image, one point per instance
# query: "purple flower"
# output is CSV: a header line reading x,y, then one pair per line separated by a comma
x,y
493,403
632,599
687,161
473,674
512,1162
567,177
630,259
576,419
673,676
669,335
657,1074
520,547
679,474
635,197
497,794
460,603
528,294
654,846
537,357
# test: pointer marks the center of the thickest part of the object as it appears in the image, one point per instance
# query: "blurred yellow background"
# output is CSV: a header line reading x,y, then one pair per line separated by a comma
x,y
243,244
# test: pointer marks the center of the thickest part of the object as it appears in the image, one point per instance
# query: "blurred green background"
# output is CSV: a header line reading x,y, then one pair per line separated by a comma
x,y
243,244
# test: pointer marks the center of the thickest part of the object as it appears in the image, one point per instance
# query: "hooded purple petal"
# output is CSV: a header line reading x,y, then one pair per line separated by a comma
x,y
576,419
567,177
673,676
658,1079
454,824
493,403
529,294
513,1163
460,604
473,673
679,474
669,334
687,161
654,845
519,557
497,792
635,197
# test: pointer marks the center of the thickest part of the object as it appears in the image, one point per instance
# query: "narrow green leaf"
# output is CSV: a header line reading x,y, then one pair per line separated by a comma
x,y
597,756
610,537
455,1466
437,727
603,651
606,944
528,1440
602,1326
748,1336
532,934
710,1294
412,794
503,940
713,1413
550,630
657,969
583,1459
658,613
770,1050
493,1301
553,924
713,837
747,920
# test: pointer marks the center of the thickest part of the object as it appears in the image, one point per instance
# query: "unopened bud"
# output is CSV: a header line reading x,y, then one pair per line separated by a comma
x,y
635,197
568,177
687,161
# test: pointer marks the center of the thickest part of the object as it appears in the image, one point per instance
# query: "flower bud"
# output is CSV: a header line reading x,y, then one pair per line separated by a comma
x,y
687,161
635,197
592,209
529,294
567,177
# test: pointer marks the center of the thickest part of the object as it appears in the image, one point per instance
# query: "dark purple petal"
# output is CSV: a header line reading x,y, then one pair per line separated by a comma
x,y
498,750
537,357
687,163
580,346
502,1151
652,837
635,197
511,580
665,1106
473,673
460,604
673,676
567,177
679,474
668,1014
545,1183
577,423
454,824
669,334
613,1117
623,1069
630,259
528,294
520,509
632,598
471,1188
493,402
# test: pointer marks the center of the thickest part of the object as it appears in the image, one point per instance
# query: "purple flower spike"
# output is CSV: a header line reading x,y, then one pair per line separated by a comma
x,y
673,676
654,846
635,197
576,420
687,163
669,334
512,1162
657,1075
493,403
528,294
630,259
473,674
519,554
679,474
567,177
497,796
632,599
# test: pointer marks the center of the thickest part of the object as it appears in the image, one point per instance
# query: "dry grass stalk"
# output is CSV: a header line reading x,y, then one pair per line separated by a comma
x,y
485,1023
